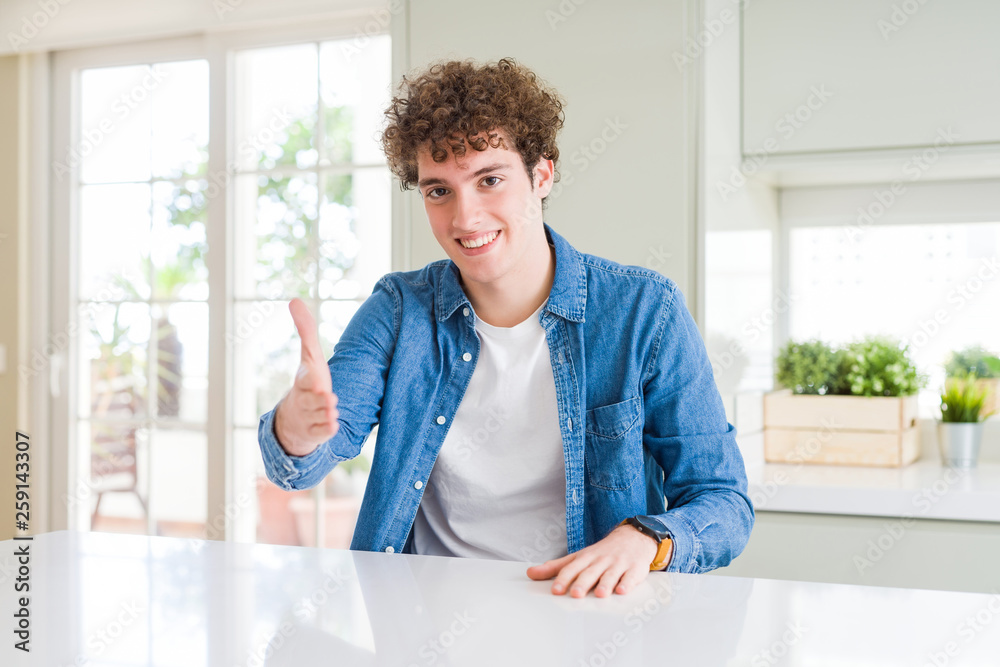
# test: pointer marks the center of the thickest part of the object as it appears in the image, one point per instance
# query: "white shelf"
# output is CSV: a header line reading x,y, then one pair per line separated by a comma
x,y
923,490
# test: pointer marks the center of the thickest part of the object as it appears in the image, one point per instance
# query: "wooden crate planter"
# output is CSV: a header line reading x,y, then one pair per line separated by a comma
x,y
840,430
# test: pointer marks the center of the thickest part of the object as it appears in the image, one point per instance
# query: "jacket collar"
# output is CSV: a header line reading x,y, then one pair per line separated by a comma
x,y
568,297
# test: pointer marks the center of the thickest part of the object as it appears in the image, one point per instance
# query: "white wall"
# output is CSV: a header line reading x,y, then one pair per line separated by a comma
x,y
49,25
613,62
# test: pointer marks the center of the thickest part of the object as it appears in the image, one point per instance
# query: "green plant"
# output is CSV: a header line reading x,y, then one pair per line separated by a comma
x,y
973,359
881,366
962,400
807,368
875,366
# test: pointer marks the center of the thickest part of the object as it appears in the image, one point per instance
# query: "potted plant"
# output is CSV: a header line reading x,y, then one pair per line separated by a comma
x,y
985,366
855,405
960,430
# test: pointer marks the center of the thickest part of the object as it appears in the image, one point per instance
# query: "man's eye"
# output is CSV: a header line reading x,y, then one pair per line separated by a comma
x,y
495,180
434,193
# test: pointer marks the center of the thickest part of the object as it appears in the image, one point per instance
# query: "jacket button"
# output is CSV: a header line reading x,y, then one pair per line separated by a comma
x,y
465,311
389,550
440,419
467,357
418,485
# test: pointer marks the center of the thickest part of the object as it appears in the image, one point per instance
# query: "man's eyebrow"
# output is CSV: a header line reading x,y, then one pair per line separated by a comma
x,y
497,166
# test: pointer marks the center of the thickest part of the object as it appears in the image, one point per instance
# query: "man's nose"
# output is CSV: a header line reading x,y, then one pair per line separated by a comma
x,y
468,212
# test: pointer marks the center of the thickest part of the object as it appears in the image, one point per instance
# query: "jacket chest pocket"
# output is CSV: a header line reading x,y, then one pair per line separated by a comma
x,y
613,445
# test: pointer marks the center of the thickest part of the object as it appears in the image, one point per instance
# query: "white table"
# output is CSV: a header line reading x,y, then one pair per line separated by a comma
x,y
104,599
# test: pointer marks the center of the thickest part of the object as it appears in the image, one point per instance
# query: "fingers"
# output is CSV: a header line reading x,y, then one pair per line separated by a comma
x,y
631,579
305,324
549,569
609,580
580,576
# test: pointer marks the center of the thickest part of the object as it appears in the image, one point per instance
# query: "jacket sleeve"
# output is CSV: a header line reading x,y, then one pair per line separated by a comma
x,y
709,513
358,369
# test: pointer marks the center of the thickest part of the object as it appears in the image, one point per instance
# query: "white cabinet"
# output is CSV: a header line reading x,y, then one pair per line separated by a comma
x,y
869,74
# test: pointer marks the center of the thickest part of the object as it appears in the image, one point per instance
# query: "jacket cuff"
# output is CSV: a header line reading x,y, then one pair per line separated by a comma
x,y
685,543
289,472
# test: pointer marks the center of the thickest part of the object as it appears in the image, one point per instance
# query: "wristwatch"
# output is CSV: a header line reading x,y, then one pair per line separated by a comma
x,y
651,527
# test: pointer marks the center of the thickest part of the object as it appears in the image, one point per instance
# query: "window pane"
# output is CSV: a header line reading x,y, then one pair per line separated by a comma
x,y
352,218
334,317
179,242
114,242
933,286
178,476
180,121
115,117
117,493
112,497
114,341
741,308
266,355
276,107
281,209
353,89
182,361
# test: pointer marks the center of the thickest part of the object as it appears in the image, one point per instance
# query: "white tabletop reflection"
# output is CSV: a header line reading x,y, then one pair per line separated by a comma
x,y
105,599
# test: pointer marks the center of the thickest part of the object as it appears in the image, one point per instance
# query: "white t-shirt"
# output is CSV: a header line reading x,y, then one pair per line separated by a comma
x,y
498,486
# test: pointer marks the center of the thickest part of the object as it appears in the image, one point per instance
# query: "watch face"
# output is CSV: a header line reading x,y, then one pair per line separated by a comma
x,y
652,526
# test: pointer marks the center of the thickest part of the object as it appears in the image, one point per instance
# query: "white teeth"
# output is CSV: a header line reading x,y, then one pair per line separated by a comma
x,y
481,241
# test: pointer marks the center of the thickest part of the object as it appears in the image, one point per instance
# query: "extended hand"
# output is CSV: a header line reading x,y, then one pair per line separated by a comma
x,y
307,416
618,563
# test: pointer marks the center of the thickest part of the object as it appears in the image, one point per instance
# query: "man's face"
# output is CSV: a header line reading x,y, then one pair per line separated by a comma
x,y
486,200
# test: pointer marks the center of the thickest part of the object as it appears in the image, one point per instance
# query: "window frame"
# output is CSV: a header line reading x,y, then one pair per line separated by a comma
x,y
218,49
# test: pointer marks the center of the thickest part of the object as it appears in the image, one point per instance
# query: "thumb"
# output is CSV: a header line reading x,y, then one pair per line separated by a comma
x,y
305,324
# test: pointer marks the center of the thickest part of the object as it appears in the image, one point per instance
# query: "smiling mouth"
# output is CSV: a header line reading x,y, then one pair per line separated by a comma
x,y
481,241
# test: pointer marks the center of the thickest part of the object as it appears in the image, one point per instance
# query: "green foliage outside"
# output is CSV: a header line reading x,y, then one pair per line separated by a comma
x,y
973,359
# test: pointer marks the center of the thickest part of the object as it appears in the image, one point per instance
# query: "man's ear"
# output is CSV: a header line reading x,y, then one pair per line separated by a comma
x,y
544,173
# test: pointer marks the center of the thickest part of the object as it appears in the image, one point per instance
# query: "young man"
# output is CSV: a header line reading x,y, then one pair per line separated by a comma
x,y
533,402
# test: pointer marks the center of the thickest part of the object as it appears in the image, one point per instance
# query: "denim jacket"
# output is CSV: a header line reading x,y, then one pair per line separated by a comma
x,y
643,426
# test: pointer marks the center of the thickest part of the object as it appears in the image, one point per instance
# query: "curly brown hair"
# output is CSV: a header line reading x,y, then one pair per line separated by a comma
x,y
455,103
